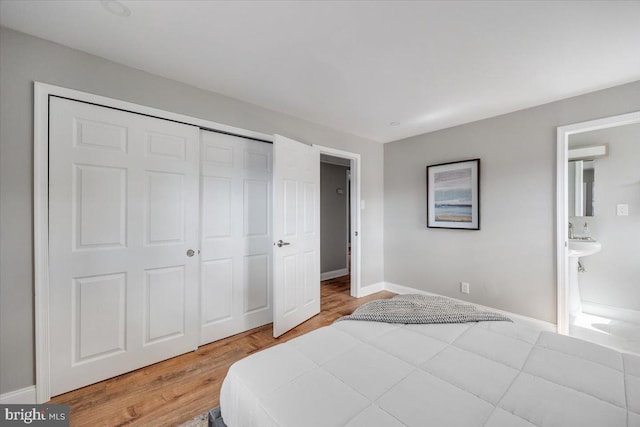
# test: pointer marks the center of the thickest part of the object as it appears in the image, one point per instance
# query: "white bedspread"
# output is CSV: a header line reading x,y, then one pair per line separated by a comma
x,y
494,374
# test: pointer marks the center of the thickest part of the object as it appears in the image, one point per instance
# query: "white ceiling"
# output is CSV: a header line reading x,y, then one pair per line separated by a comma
x,y
357,66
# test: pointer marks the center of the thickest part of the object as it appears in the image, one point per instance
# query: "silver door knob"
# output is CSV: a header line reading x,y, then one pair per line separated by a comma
x,y
191,253
281,243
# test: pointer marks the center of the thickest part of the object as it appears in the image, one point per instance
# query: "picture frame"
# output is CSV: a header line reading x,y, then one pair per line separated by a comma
x,y
453,195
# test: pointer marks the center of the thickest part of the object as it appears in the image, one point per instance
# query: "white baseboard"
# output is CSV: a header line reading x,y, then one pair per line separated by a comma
x,y
333,274
611,312
371,289
26,396
401,289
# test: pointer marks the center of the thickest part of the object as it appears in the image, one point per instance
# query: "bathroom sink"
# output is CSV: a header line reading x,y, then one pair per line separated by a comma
x,y
581,247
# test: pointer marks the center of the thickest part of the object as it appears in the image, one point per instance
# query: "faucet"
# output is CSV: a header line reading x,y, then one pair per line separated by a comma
x,y
571,231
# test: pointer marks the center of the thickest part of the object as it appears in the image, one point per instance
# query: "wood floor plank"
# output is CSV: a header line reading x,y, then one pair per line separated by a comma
x,y
175,390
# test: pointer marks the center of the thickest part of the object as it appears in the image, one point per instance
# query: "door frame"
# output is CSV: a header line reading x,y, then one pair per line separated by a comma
x,y
562,205
42,93
356,246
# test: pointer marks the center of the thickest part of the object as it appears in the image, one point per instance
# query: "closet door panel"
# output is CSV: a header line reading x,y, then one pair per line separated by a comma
x,y
256,283
123,212
236,240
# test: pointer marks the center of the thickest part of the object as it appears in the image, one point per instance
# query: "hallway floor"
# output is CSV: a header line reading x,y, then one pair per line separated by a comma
x,y
618,334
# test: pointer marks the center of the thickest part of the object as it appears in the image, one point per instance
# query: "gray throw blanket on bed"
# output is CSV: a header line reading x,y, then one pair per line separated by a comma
x,y
415,308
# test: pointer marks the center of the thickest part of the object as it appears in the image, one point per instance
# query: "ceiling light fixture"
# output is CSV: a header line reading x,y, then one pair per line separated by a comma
x,y
395,123
116,7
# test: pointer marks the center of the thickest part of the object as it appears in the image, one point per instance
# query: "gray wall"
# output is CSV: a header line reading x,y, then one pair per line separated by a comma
x,y
25,59
510,262
333,217
612,276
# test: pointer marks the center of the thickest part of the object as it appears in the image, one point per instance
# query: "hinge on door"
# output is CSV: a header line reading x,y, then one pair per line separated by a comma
x,y
356,234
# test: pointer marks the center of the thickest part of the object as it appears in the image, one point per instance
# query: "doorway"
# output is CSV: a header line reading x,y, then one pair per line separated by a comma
x,y
586,308
340,219
335,245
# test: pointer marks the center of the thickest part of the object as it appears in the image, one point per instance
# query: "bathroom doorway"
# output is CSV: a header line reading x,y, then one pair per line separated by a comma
x,y
598,225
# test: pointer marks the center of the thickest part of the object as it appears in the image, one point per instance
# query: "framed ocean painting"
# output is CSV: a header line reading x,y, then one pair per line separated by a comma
x,y
453,195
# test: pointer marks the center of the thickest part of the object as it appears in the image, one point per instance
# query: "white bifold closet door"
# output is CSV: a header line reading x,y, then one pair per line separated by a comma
x,y
123,216
236,235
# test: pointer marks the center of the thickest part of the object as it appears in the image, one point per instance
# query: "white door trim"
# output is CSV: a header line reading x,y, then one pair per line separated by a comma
x,y
356,246
347,218
42,92
562,208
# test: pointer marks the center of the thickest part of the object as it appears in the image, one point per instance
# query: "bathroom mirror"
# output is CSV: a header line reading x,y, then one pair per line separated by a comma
x,y
581,176
581,180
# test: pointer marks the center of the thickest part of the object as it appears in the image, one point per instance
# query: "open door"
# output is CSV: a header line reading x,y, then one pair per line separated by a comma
x,y
296,231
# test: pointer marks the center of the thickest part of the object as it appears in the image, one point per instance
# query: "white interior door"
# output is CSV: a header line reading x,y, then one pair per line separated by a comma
x,y
296,230
236,235
123,213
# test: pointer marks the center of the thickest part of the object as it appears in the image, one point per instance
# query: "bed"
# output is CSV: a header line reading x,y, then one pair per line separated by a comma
x,y
490,373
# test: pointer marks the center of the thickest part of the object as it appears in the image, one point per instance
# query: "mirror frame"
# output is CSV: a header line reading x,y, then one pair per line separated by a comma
x,y
562,205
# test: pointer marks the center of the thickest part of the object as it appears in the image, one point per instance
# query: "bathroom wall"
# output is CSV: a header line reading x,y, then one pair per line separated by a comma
x,y
612,276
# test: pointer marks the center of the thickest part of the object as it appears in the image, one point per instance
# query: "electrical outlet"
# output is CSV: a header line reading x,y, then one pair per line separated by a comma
x,y
622,210
464,287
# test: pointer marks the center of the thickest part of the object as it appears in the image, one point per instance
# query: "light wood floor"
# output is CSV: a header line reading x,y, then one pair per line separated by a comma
x,y
176,390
